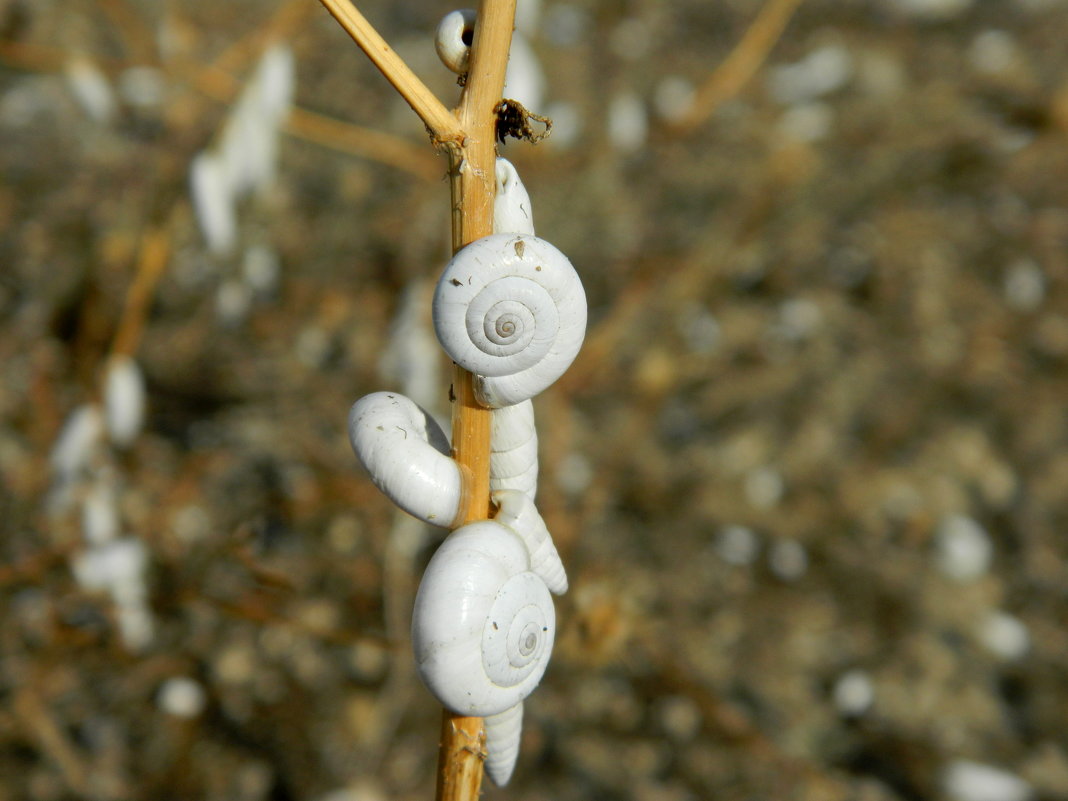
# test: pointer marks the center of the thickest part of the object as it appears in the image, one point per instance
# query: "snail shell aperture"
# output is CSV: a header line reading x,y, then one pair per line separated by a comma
x,y
453,39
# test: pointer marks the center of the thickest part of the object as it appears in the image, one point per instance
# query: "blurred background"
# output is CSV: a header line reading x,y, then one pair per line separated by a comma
x,y
808,474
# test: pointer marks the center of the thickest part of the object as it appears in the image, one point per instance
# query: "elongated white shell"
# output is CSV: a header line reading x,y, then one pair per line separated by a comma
x,y
484,623
124,400
454,27
512,212
517,512
406,453
510,308
503,733
514,449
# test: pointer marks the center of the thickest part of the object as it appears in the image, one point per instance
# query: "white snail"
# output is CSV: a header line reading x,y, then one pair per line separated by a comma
x,y
407,455
453,39
514,449
512,213
484,622
510,308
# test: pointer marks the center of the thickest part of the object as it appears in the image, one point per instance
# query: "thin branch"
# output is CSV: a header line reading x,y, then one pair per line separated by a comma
x,y
743,62
442,124
155,251
365,142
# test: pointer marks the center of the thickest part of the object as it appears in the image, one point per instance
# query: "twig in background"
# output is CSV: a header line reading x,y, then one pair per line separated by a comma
x,y
743,62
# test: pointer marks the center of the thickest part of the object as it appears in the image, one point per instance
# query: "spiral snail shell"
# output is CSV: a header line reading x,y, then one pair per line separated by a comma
x,y
484,623
453,39
407,455
510,308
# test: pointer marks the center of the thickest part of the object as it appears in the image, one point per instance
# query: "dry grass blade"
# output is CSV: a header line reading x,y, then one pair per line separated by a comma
x,y
442,124
743,62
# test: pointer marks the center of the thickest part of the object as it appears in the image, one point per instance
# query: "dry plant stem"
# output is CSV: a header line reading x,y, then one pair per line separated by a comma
x,y
473,169
366,142
746,58
470,137
155,250
442,124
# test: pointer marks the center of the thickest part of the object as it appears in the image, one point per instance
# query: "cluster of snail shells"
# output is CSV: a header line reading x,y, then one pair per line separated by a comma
x,y
510,309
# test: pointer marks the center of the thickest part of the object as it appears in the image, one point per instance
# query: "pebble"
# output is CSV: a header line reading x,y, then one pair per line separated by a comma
x,y
932,9
628,122
992,52
143,87
853,693
673,97
965,780
826,69
1005,636
261,268
182,697
737,545
679,717
764,487
964,550
1024,285
807,123
574,474
788,560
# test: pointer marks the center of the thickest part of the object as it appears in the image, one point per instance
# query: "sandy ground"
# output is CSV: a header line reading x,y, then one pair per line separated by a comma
x,y
808,475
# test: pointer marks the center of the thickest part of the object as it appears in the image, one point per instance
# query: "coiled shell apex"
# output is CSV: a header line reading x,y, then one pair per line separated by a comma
x,y
510,308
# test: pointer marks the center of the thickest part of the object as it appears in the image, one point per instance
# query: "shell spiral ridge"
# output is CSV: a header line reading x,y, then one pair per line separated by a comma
x,y
511,309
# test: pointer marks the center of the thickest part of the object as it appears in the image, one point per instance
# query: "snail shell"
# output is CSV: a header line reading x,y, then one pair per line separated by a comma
x,y
484,623
517,511
503,733
407,455
510,308
512,213
514,449
453,39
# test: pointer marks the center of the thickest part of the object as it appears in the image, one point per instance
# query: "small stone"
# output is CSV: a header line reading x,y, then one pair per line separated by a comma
x,y
182,697
764,487
679,717
965,780
853,693
807,123
788,560
964,550
737,545
824,70
574,474
628,122
1005,636
673,98
143,87
992,52
1024,286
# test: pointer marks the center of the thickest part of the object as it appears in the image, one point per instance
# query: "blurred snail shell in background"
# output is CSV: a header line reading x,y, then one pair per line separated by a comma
x,y
453,39
510,308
